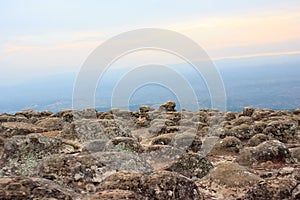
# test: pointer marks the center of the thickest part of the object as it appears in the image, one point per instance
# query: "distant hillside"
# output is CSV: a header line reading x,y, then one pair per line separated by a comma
x,y
262,82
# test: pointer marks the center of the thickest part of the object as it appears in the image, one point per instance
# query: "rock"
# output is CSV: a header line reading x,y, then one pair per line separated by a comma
x,y
243,132
157,185
168,106
22,153
2,142
229,116
84,130
87,113
142,122
92,168
259,127
122,114
144,109
93,146
296,192
259,115
296,154
187,122
243,120
164,139
12,118
51,124
173,116
126,144
228,145
272,150
112,132
191,165
33,188
29,113
157,127
46,113
282,130
187,141
297,111
232,175
115,195
19,128
248,111
276,189
257,139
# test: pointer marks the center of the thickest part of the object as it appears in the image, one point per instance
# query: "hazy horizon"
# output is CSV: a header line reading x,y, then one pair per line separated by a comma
x,y
254,45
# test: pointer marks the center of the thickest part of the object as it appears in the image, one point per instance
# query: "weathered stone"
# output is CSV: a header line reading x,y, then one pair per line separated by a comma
x,y
243,120
19,128
228,145
282,130
19,188
112,132
29,113
84,130
95,146
51,124
243,131
257,139
157,185
191,165
126,144
116,194
144,109
297,111
164,139
13,118
232,175
248,111
92,168
296,154
276,189
229,116
272,150
22,153
168,106
187,141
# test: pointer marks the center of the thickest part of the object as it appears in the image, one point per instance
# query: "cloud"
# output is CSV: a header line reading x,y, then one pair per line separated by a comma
x,y
266,28
258,34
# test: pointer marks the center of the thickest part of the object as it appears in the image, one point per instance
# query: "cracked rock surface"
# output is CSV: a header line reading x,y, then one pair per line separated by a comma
x,y
150,154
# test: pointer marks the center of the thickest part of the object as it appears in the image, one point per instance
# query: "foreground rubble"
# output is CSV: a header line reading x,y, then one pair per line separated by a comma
x,y
150,154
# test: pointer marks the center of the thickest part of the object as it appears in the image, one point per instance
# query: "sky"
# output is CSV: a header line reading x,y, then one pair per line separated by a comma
x,y
42,38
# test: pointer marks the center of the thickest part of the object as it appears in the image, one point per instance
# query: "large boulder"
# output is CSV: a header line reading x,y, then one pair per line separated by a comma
x,y
272,150
21,154
227,146
9,129
116,194
191,165
51,124
257,139
30,113
20,188
282,130
157,185
232,175
248,111
81,170
168,106
276,189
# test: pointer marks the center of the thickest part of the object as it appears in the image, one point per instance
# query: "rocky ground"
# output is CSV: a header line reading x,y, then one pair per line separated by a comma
x,y
150,154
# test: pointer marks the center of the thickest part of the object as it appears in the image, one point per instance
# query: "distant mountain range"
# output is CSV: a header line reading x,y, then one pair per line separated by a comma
x,y
262,82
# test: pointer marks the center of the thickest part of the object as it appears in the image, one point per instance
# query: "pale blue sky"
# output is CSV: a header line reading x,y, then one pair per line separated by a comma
x,y
40,38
